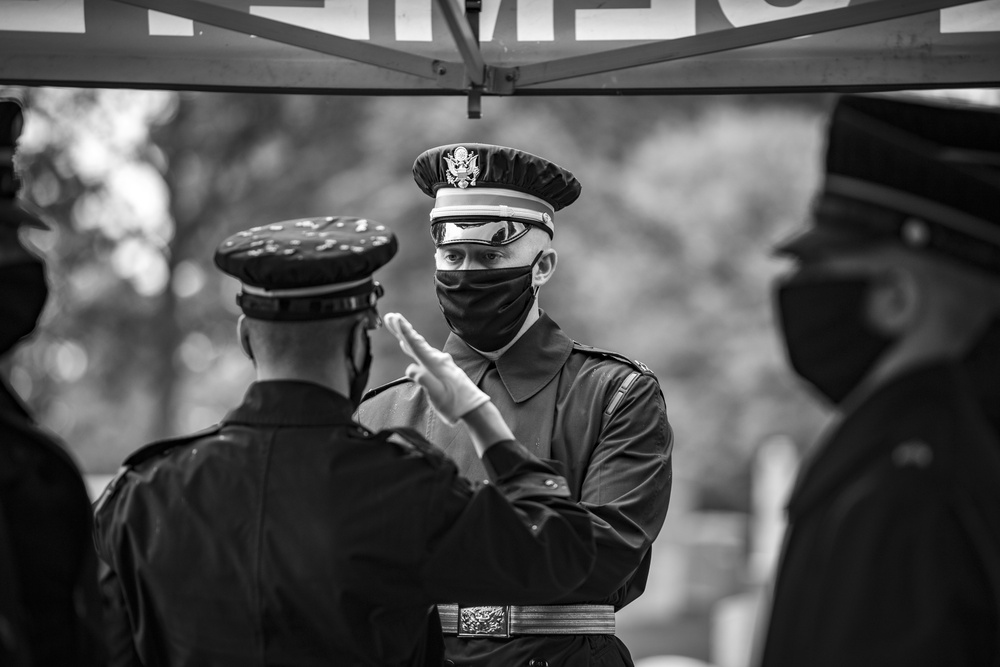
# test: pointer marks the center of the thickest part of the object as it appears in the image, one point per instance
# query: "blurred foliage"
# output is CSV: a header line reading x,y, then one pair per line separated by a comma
x,y
664,258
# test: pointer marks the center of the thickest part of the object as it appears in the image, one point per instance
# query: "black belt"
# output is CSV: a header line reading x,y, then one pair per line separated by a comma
x,y
505,621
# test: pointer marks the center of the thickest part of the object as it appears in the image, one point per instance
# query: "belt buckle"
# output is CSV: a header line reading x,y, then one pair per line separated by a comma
x,y
483,621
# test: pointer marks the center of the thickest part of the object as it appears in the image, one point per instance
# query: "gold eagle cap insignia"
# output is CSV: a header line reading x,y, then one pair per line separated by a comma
x,y
463,167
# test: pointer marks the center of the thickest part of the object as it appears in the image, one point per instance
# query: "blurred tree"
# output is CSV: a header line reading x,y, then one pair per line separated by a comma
x,y
84,154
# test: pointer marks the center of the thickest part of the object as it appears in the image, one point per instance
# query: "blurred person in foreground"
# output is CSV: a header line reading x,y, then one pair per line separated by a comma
x,y
892,555
599,415
290,535
49,603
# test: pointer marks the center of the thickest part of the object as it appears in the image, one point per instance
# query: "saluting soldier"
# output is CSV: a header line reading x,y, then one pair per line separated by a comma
x,y
288,534
892,315
600,415
50,610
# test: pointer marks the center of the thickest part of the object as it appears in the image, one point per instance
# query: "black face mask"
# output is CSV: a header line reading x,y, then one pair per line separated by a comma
x,y
22,296
829,342
359,361
486,307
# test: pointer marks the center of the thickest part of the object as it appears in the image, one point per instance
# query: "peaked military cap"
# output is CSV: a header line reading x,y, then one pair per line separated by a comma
x,y
925,174
307,269
491,195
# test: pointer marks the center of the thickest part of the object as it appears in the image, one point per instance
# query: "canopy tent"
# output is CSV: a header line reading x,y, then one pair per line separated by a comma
x,y
502,47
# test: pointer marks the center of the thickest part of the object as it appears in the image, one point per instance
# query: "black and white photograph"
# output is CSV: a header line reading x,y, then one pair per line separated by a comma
x,y
499,333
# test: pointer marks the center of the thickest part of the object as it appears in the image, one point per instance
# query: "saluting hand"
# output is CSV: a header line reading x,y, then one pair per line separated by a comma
x,y
449,390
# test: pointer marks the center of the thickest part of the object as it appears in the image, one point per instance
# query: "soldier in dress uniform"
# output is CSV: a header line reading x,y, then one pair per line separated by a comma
x,y
597,413
288,534
50,612
892,555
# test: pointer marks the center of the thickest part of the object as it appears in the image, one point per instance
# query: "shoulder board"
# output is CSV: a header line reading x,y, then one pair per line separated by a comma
x,y
411,440
109,490
142,454
161,447
371,393
596,351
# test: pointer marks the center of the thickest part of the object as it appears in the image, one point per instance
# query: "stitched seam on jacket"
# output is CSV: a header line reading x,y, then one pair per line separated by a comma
x,y
259,538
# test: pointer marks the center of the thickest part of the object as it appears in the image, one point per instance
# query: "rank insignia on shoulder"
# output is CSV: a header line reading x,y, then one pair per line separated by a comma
x,y
642,367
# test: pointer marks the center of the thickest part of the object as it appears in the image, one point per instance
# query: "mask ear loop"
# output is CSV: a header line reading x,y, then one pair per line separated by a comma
x,y
359,368
531,267
244,337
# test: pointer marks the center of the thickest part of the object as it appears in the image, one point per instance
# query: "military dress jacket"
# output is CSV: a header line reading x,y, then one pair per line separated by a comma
x,y
289,535
50,609
892,553
601,419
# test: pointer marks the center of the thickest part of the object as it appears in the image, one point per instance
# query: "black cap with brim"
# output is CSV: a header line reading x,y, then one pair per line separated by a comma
x,y
842,224
309,268
505,191
925,175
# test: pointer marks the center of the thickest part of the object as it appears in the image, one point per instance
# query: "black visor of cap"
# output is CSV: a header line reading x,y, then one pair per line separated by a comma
x,y
491,232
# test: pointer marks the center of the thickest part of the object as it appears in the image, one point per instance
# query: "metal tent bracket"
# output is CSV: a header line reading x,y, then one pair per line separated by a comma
x,y
476,78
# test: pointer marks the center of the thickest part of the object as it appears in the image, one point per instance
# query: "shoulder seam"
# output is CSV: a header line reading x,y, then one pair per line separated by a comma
x,y
146,452
634,363
412,442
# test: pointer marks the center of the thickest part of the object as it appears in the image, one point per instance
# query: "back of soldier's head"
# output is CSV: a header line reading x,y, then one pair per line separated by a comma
x,y
307,288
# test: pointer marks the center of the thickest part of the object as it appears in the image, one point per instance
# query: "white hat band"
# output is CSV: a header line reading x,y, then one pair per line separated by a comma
x,y
501,212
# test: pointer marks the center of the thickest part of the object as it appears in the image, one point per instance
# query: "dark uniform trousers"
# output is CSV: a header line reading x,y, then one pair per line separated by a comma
x,y
289,535
601,420
892,555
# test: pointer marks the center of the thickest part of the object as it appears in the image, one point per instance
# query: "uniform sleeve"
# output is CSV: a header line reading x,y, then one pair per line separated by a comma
x,y
117,628
118,631
518,540
626,488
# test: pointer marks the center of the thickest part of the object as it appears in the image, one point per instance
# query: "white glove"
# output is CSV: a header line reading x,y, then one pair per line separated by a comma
x,y
449,390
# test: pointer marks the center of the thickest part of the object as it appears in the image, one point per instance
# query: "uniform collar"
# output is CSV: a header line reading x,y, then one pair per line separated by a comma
x,y
527,366
292,403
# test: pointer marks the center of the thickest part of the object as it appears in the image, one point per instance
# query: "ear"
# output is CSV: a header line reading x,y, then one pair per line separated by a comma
x,y
544,268
895,300
243,333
